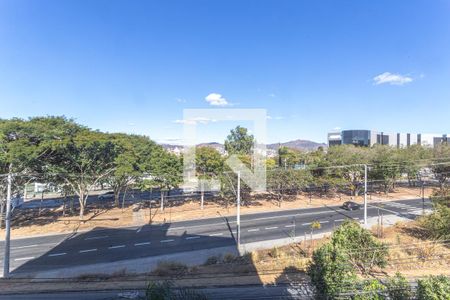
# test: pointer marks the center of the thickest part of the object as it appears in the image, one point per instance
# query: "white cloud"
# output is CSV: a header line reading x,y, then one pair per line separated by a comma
x,y
181,100
195,121
216,99
393,79
274,118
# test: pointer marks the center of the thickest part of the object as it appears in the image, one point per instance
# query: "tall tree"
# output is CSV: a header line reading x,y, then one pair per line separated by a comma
x,y
81,161
239,141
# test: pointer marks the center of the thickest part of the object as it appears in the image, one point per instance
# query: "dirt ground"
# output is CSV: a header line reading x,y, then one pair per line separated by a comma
x,y
50,221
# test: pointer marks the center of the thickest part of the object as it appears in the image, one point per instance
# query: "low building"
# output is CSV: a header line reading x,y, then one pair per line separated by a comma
x,y
369,138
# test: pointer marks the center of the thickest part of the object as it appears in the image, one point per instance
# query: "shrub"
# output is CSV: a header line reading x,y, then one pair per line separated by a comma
x,y
330,272
433,288
437,223
166,268
370,290
229,258
398,288
362,249
166,291
274,252
212,260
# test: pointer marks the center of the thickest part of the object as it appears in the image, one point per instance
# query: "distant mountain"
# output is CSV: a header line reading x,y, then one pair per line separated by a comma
x,y
303,145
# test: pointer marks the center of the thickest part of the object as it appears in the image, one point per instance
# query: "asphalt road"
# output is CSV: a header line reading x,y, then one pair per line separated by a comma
x,y
226,293
110,245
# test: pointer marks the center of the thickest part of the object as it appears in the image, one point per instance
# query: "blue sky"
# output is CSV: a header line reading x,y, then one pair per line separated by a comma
x,y
133,66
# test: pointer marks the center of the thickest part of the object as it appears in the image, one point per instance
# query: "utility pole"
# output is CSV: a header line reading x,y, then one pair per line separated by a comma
x,y
238,208
365,194
7,228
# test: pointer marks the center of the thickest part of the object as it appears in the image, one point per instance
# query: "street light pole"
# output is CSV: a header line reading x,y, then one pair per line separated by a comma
x,y
238,208
365,194
7,228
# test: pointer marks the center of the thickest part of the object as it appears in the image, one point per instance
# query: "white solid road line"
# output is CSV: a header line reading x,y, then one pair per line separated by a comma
x,y
251,230
192,237
270,228
88,250
215,234
142,244
57,254
116,247
96,237
166,241
24,258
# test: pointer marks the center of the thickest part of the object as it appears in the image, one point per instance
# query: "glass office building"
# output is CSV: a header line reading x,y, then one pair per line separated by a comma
x,y
356,137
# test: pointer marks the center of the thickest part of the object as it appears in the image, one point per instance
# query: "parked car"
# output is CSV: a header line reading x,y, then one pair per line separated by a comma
x,y
107,195
350,205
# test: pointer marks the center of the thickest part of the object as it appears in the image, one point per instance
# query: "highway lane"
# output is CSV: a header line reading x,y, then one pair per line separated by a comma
x,y
109,245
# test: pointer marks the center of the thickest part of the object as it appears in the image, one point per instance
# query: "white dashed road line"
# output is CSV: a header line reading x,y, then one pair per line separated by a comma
x,y
340,220
22,247
290,225
88,250
166,241
192,237
57,254
116,247
252,230
96,237
323,222
306,224
24,258
215,234
142,244
270,228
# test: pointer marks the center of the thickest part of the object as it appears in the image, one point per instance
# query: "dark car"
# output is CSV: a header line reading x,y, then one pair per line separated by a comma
x,y
350,205
107,195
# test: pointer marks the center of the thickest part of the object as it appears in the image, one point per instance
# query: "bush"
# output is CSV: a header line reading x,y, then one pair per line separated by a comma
x,y
330,272
229,258
437,223
370,290
212,260
275,252
398,288
166,268
166,291
363,250
433,288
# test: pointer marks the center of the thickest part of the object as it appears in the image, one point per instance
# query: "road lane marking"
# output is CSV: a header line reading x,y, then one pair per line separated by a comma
x,y
290,225
88,250
22,247
340,220
96,237
323,222
251,230
139,229
57,254
270,228
192,237
24,258
142,244
306,224
166,241
116,247
215,234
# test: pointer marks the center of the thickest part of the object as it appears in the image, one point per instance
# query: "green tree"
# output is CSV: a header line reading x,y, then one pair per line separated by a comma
x,y
330,272
441,167
239,141
370,290
386,166
81,161
208,162
130,155
363,250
